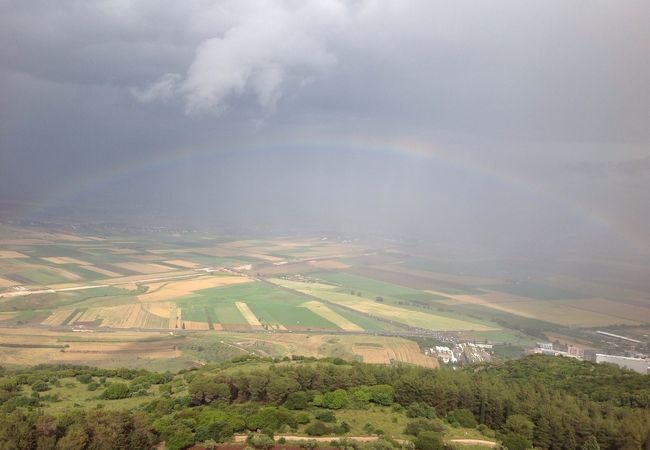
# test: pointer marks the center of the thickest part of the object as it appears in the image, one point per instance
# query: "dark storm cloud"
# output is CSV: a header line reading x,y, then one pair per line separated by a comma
x,y
543,92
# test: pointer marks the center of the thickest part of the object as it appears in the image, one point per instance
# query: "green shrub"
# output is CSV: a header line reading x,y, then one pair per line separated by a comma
x,y
463,417
40,386
416,409
302,418
428,440
326,416
84,378
115,391
415,427
319,428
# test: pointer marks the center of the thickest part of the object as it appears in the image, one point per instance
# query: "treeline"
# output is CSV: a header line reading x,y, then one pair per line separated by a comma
x,y
534,401
600,382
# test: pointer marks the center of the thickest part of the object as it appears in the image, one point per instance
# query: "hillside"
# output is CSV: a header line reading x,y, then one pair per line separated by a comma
x,y
522,403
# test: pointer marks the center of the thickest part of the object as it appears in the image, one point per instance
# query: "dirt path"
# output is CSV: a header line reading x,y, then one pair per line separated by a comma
x,y
289,437
489,444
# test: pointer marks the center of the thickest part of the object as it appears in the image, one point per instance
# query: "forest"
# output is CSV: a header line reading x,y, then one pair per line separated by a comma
x,y
535,402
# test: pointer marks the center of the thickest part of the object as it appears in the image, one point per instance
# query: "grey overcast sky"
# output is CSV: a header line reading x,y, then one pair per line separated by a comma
x,y
497,124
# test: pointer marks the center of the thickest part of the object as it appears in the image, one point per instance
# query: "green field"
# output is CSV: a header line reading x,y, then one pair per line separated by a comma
x,y
374,287
373,308
270,304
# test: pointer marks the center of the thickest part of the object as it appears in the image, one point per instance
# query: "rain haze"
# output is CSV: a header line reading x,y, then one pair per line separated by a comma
x,y
325,224
500,128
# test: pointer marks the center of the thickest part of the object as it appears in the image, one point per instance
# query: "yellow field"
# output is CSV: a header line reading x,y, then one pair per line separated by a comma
x,y
65,260
6,283
334,317
220,252
372,349
183,263
146,258
190,325
101,271
248,314
128,316
328,264
121,251
64,273
11,254
57,317
143,267
160,309
130,279
233,250
105,349
176,289
404,352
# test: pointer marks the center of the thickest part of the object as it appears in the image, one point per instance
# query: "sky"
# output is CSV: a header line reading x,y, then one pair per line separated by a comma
x,y
493,126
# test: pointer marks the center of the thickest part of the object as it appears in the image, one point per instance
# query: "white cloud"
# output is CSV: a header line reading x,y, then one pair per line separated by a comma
x,y
268,46
162,89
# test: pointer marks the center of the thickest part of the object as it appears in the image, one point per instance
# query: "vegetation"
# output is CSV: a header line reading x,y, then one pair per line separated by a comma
x,y
521,403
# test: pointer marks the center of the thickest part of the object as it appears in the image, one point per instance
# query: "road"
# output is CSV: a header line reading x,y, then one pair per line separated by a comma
x,y
291,437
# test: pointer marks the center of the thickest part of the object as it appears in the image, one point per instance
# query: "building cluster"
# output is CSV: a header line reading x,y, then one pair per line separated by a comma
x,y
546,348
461,353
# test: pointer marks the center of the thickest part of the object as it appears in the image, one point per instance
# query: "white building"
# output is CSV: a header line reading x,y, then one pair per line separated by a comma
x,y
445,354
636,364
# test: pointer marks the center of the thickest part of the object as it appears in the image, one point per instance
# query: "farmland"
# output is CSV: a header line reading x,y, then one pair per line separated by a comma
x,y
273,296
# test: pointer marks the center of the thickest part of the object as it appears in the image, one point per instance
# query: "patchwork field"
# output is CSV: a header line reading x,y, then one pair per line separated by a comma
x,y
321,296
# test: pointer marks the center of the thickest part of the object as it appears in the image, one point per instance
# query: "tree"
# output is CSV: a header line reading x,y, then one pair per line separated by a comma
x,y
296,400
218,431
514,441
75,438
416,409
202,390
279,388
463,417
335,399
382,394
590,444
428,440
520,424
518,432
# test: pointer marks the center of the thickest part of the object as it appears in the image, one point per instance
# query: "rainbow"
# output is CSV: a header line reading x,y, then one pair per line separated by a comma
x,y
95,181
